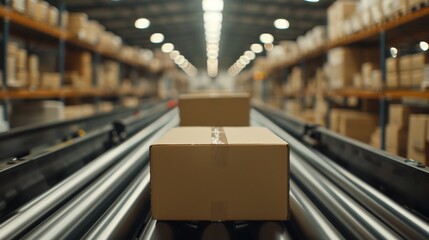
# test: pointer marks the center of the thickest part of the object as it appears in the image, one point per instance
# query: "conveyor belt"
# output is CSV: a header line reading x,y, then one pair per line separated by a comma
x,y
109,199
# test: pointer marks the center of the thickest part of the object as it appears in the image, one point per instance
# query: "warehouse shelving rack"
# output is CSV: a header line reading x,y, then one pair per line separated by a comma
x,y
396,30
19,25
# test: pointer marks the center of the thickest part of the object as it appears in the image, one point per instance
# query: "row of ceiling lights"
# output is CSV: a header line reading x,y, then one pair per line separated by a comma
x,y
265,38
212,29
168,48
179,59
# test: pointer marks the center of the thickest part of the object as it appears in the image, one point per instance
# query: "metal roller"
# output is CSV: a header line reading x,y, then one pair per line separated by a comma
x,y
35,211
72,220
128,208
402,221
311,221
354,219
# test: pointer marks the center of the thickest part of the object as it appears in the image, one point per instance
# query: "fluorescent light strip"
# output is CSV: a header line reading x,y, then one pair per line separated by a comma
x,y
212,29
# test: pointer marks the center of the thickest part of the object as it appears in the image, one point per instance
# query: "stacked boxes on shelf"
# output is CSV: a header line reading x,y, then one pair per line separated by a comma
x,y
398,128
79,70
345,121
338,14
38,10
409,71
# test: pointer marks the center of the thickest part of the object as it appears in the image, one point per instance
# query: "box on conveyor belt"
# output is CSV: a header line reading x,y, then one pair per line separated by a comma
x,y
215,173
214,109
418,148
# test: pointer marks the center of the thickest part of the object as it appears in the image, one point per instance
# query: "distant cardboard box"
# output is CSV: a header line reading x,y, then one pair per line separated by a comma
x,y
219,174
214,109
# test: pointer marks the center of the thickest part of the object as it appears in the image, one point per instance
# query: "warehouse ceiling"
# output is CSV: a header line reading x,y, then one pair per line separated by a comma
x,y
181,22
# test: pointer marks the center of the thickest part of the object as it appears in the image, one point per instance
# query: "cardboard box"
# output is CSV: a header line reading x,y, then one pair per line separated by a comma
x,y
405,63
53,16
392,80
215,109
418,60
392,64
219,174
375,138
367,124
418,148
18,5
405,78
417,77
399,114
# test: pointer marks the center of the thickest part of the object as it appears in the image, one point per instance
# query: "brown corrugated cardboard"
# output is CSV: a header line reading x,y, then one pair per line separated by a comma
x,y
209,173
215,109
417,145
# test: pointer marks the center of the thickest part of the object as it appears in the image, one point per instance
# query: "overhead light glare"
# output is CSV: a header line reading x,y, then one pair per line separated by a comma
x,y
256,48
157,38
266,38
142,23
281,23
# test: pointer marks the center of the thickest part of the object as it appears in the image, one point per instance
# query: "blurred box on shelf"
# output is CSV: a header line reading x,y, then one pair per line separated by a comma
x,y
405,78
376,10
79,111
392,64
399,114
41,11
343,64
338,12
53,16
396,140
80,63
33,71
18,5
105,106
214,109
419,60
220,164
21,59
418,148
36,112
405,62
392,80
375,138
31,7
131,102
394,7
50,80
345,122
417,77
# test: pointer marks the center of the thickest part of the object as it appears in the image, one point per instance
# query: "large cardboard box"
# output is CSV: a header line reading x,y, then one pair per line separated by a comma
x,y
418,148
210,173
214,109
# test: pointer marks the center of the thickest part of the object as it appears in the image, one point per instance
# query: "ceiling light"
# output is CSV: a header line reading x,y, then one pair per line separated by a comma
x,y
174,54
256,48
142,23
311,0
213,5
250,55
212,55
424,46
167,47
157,38
281,23
266,38
394,52
210,17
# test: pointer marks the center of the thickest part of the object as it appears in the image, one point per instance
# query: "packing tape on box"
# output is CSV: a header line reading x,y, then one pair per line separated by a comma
x,y
219,153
